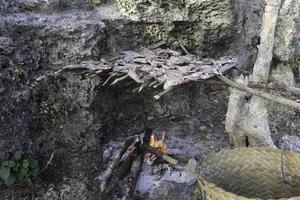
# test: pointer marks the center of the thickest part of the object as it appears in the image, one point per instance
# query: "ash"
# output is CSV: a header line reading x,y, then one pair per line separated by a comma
x,y
151,180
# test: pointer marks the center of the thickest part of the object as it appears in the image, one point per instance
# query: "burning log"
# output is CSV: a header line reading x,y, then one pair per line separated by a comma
x,y
128,163
158,154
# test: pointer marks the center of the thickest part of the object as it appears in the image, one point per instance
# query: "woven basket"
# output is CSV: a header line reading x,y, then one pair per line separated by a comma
x,y
250,173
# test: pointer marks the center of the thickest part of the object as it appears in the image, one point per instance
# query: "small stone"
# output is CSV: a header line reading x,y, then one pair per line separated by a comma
x,y
190,171
107,153
202,128
283,75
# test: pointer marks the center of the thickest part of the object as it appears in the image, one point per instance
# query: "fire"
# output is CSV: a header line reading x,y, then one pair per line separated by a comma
x,y
159,144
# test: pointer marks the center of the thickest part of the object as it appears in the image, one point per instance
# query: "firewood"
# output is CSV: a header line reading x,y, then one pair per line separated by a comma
x,y
134,175
159,154
119,173
119,154
123,164
182,158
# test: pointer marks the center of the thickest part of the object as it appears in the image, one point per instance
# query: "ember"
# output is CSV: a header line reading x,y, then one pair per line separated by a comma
x,y
158,144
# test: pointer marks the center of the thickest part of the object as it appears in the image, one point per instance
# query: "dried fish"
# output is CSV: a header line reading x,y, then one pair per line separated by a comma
x,y
148,53
156,67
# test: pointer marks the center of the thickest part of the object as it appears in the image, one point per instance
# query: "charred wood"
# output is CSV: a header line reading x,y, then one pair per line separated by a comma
x,y
158,154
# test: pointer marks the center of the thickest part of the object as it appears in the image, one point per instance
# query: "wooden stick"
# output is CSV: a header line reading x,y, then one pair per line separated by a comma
x,y
182,158
159,154
291,89
132,74
270,97
119,79
48,163
158,84
133,177
119,173
108,172
112,75
140,88
267,36
158,96
294,90
184,49
153,83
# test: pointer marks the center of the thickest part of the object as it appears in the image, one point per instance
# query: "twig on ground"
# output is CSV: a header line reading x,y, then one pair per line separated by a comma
x,y
48,163
184,49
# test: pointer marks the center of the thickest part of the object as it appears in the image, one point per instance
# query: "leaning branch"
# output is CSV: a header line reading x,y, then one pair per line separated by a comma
x,y
270,97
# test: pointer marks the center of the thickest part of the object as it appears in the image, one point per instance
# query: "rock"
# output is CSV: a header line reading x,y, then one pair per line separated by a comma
x,y
283,75
291,143
192,28
107,153
43,6
190,171
6,45
48,37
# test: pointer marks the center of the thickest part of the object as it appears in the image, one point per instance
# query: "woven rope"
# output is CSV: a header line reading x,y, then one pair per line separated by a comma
x,y
250,173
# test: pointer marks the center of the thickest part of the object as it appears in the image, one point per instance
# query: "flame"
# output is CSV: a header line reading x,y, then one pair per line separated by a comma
x,y
159,144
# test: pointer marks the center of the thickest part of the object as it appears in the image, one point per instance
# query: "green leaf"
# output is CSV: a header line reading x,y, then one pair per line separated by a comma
x,y
18,155
24,171
4,173
10,181
11,163
25,164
